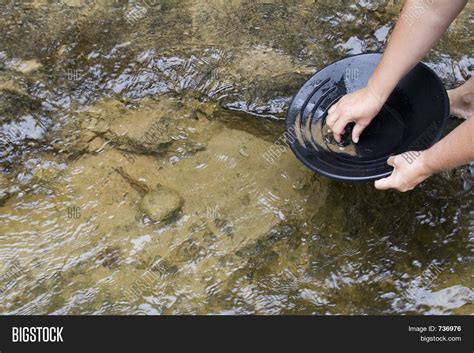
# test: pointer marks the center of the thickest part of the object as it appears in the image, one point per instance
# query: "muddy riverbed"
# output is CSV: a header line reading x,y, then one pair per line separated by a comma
x,y
135,176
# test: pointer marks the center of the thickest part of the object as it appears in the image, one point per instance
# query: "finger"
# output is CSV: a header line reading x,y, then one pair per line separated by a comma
x,y
333,108
391,161
356,132
339,126
331,119
384,184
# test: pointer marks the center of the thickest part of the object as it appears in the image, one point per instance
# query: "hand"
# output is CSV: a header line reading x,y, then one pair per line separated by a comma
x,y
359,107
409,170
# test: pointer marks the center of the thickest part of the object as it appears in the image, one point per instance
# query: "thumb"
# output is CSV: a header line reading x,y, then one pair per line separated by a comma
x,y
383,184
356,132
391,161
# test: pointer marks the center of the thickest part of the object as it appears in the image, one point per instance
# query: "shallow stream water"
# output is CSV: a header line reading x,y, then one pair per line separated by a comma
x,y
136,178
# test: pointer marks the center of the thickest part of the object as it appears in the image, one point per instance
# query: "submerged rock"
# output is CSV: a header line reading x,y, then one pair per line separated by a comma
x,y
161,204
151,129
3,190
6,190
14,103
24,66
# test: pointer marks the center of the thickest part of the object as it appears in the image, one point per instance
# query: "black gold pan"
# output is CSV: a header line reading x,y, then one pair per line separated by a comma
x,y
413,118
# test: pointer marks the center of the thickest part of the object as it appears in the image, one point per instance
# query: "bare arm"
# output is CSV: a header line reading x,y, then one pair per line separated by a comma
x,y
454,150
420,26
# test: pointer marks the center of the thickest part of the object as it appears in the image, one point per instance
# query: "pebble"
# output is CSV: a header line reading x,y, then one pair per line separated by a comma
x,y
162,203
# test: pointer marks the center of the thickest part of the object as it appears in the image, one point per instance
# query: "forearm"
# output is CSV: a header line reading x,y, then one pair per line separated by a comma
x,y
454,150
420,26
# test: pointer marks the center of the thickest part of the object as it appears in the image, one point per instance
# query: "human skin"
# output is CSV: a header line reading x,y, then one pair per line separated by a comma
x,y
456,149
421,25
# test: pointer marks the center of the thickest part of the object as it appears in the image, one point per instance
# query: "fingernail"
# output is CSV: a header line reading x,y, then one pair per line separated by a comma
x,y
356,139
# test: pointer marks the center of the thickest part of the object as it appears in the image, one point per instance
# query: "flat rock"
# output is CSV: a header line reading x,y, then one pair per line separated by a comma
x,y
96,145
24,66
4,190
